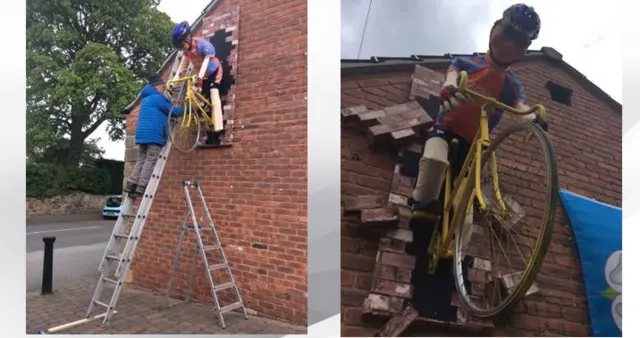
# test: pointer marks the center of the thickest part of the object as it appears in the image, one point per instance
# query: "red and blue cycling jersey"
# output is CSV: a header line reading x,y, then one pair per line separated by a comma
x,y
203,49
492,81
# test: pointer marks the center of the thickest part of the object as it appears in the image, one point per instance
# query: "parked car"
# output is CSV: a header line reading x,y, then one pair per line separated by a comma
x,y
112,207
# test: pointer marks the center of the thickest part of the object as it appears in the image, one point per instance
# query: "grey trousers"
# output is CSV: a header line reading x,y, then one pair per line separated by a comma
x,y
147,158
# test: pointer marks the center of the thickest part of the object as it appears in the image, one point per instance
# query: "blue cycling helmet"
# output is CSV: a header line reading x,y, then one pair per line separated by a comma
x,y
524,19
180,33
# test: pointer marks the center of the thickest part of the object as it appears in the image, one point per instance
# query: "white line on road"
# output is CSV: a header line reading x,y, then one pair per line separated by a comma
x,y
62,230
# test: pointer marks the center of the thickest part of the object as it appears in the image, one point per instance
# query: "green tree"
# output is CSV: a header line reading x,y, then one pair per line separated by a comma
x,y
85,61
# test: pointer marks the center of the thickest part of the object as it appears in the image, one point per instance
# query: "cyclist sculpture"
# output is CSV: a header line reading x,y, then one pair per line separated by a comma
x,y
487,74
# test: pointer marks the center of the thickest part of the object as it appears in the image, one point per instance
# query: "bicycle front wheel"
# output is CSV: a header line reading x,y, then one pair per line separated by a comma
x,y
499,251
185,132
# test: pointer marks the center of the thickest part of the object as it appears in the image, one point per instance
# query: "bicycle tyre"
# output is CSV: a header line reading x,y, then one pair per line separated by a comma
x,y
542,244
185,139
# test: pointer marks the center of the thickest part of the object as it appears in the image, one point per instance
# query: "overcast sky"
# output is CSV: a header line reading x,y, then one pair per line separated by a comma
x,y
433,27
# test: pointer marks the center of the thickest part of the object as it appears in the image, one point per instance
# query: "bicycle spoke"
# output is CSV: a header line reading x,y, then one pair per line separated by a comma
x,y
512,224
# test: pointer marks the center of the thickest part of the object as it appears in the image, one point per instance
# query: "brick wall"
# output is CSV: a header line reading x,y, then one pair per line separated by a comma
x,y
587,142
256,189
364,172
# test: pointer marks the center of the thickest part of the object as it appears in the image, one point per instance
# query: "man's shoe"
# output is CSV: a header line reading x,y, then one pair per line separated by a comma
x,y
130,188
429,210
140,190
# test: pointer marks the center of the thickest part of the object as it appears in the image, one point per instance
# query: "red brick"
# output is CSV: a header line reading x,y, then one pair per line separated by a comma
x,y
356,331
392,289
352,316
353,297
364,281
392,273
352,203
398,260
392,245
347,278
357,262
378,216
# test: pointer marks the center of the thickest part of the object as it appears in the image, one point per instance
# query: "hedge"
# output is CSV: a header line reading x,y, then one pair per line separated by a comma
x,y
48,180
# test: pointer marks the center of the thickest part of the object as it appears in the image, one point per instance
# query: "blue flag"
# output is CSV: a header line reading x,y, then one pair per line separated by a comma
x,y
597,228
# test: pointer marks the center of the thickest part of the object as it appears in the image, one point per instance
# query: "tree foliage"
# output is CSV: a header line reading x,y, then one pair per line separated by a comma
x,y
85,61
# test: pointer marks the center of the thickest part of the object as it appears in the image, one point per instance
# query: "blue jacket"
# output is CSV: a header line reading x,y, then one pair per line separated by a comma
x,y
153,124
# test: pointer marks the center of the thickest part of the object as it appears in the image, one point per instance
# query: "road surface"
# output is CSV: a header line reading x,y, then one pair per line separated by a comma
x,y
77,252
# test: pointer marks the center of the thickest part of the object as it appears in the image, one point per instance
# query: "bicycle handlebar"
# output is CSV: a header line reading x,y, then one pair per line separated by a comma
x,y
464,89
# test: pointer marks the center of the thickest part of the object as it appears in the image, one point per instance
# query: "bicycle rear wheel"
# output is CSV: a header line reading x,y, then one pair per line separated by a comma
x,y
506,214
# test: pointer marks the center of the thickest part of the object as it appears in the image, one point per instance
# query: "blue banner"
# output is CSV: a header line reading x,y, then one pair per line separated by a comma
x,y
598,232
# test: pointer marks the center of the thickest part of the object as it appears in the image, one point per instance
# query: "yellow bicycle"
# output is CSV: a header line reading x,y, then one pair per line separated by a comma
x,y
471,192
196,114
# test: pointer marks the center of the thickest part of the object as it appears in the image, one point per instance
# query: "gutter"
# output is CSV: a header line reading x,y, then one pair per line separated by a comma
x,y
194,28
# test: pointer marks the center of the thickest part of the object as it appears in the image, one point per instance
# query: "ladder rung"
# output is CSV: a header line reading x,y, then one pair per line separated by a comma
x,y
121,235
223,286
109,280
212,247
128,215
231,307
101,304
217,266
192,228
113,257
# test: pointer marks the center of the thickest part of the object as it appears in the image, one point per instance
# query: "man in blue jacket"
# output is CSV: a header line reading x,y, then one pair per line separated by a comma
x,y
151,133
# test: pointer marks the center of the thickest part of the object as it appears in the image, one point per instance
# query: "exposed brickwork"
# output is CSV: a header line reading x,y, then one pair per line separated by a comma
x,y
256,190
364,174
228,21
587,142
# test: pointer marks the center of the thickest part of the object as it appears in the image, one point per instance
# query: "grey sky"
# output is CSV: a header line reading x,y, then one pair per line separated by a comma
x,y
590,42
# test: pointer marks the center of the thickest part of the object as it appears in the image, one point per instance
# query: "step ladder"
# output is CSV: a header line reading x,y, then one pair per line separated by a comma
x,y
191,225
121,247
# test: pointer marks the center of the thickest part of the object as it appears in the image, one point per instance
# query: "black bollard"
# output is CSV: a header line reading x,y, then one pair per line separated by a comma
x,y
47,266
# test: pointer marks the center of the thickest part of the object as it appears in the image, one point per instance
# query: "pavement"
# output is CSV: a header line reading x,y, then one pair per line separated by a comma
x,y
78,249
138,313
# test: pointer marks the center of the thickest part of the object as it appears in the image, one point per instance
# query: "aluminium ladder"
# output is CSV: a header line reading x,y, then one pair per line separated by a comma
x,y
121,247
191,224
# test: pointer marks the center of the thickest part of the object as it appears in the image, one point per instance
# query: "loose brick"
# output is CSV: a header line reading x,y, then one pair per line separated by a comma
x,y
356,203
393,289
350,114
379,216
381,303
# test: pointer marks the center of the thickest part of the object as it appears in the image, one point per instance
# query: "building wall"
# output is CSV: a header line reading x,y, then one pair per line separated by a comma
x,y
587,142
256,189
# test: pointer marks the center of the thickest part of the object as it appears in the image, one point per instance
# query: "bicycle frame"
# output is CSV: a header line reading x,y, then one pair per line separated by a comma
x,y
462,185
192,98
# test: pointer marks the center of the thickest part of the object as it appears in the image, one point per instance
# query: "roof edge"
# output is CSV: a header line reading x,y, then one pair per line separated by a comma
x,y
374,65
194,28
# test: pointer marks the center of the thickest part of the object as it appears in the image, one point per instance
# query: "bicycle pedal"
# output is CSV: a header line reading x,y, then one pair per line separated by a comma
x,y
424,216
